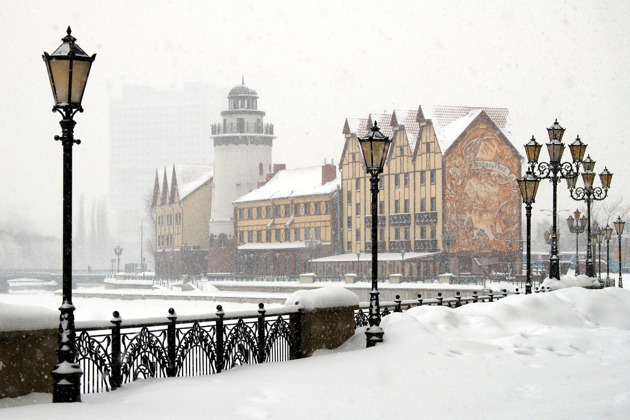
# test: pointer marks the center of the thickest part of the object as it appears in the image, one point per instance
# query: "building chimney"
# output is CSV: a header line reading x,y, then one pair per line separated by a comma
x,y
329,173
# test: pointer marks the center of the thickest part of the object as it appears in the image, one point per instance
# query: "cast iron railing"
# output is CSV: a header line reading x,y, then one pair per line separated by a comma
x,y
123,352
184,346
398,305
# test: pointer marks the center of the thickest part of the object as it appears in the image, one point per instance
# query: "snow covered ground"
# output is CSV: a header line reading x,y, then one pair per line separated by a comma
x,y
558,355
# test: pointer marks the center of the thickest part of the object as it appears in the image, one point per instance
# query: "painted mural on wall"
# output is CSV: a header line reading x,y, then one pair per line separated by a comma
x,y
481,193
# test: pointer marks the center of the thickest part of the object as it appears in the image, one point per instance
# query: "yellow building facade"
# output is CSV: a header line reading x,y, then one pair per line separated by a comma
x,y
412,217
181,201
288,221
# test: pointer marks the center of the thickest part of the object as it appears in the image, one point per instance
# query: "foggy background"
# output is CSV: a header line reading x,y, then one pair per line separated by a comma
x,y
313,64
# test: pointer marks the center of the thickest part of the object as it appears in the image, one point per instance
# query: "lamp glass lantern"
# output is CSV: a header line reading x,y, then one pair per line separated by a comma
x,y
606,178
608,232
528,186
577,148
532,149
68,70
599,234
588,177
619,225
589,164
555,148
556,131
375,147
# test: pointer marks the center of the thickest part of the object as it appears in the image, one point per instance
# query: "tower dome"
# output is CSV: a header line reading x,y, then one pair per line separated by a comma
x,y
243,97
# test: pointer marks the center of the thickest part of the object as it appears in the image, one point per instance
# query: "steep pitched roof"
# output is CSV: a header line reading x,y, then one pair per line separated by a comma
x,y
293,183
183,180
408,119
448,119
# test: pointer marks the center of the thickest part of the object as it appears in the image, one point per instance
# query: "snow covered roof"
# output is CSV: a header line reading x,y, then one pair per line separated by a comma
x,y
293,183
185,177
448,121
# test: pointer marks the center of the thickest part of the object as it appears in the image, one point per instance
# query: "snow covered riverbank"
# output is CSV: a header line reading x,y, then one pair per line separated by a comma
x,y
559,355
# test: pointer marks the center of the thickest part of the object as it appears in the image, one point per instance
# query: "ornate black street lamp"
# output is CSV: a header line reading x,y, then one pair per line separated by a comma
x,y
588,194
68,69
599,237
619,225
607,235
529,186
577,225
118,250
374,147
554,171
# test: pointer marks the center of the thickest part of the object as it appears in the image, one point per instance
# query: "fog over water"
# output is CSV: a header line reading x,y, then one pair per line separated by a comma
x,y
313,64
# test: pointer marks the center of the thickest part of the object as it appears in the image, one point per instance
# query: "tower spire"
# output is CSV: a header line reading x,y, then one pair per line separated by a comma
x,y
243,79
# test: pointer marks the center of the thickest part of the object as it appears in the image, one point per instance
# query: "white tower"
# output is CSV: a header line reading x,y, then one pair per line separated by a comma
x,y
242,155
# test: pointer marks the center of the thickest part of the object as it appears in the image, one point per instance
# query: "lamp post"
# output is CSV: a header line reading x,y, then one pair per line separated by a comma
x,y
619,225
554,171
358,262
68,69
529,186
588,194
577,225
374,147
599,237
118,250
607,235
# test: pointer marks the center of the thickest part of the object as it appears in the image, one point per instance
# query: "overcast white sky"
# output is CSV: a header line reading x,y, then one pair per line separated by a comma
x,y
314,63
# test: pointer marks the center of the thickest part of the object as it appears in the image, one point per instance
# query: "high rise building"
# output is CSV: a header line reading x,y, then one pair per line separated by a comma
x,y
151,128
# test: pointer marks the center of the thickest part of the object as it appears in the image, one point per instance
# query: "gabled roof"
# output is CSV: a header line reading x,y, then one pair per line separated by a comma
x,y
293,183
183,179
448,121
409,119
357,126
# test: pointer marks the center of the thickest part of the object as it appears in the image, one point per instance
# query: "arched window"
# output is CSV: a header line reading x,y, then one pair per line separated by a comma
x,y
260,168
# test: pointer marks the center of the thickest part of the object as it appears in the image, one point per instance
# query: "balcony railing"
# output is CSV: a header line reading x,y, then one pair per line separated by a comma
x,y
400,219
247,128
426,218
380,220
426,245
399,246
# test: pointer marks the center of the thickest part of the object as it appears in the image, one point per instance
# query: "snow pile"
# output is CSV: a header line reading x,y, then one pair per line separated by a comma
x,y
580,280
24,317
327,297
558,355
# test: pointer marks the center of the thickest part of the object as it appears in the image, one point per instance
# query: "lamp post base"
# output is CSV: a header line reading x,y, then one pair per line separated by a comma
x,y
374,334
67,382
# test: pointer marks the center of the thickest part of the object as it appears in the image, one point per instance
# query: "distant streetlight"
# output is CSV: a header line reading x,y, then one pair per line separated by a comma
x,y
374,147
68,69
554,171
118,250
607,235
588,194
358,261
619,225
599,237
529,186
577,225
